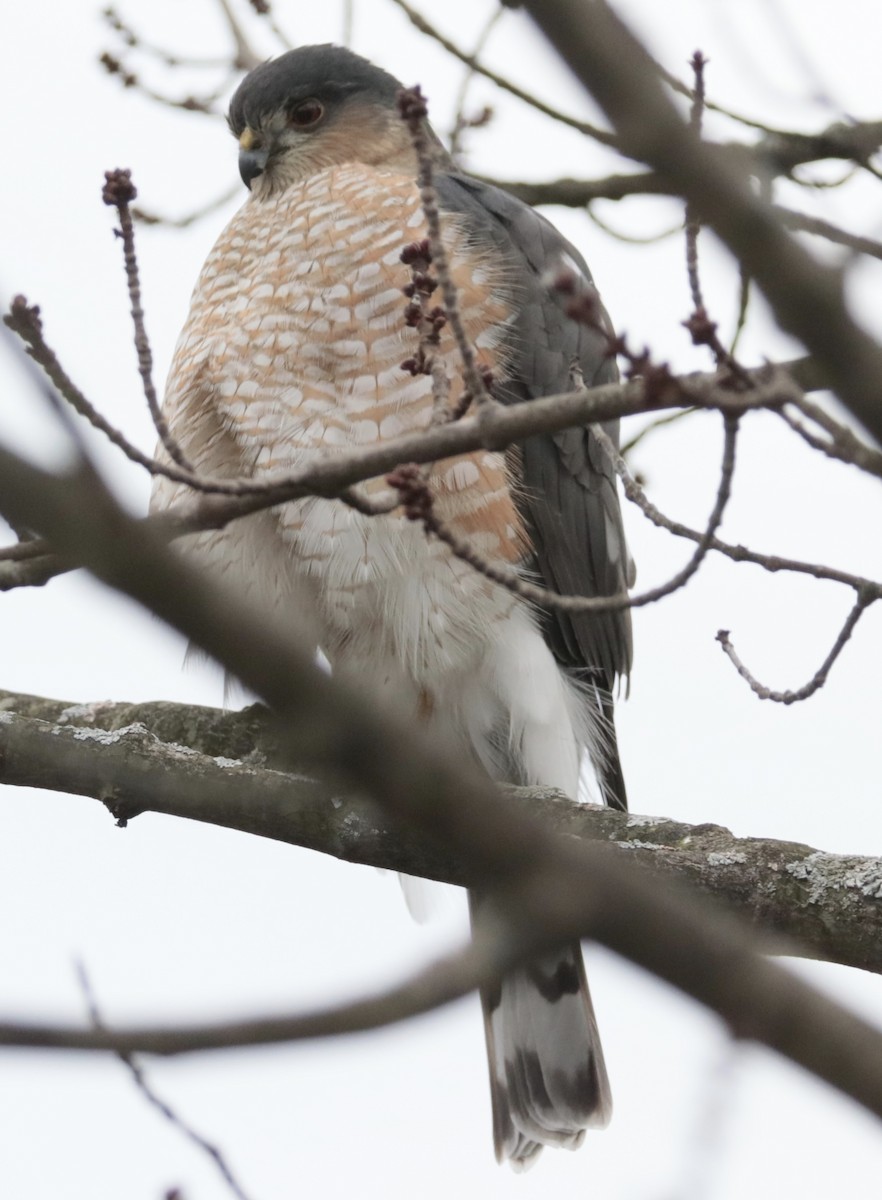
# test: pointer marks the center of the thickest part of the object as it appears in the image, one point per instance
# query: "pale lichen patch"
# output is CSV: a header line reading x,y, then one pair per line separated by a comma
x,y
730,858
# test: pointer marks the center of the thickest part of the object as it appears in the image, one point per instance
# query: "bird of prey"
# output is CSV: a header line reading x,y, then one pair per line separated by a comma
x,y
292,350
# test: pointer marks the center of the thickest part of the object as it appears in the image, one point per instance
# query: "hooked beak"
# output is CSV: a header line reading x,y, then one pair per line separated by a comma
x,y
251,164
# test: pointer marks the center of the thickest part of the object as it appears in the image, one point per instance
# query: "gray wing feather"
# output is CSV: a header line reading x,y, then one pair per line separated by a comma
x,y
569,499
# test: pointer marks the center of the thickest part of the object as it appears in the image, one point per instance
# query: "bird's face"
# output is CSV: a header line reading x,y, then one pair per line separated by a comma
x,y
312,109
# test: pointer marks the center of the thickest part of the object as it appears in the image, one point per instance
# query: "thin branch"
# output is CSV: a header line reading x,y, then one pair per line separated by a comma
x,y
659,423
135,41
145,1088
831,447
118,193
25,320
844,444
743,306
693,220
246,58
769,562
420,22
418,504
579,193
151,218
853,141
819,678
648,239
204,104
412,107
460,121
264,9
702,329
447,980
803,223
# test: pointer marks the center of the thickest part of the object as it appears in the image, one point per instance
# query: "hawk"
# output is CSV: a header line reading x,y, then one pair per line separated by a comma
x,y
292,349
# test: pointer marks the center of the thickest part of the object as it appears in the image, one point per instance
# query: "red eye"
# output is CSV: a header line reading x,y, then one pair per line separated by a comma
x,y
307,112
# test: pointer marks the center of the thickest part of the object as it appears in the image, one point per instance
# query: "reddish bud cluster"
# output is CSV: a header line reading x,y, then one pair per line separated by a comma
x,y
118,189
413,491
417,255
657,378
702,329
422,283
417,314
584,306
435,320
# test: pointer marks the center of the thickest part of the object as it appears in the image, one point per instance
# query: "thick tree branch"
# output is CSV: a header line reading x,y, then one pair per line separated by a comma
x,y
166,758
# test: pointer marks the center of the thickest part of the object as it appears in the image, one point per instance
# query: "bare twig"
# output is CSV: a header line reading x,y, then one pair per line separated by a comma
x,y
460,121
743,306
769,562
119,192
819,678
418,504
702,329
579,193
24,319
632,239
443,981
418,20
246,58
151,218
659,423
205,104
135,41
146,1089
693,220
803,223
414,112
264,9
844,444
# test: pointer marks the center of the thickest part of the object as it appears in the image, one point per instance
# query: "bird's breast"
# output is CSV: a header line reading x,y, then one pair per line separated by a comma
x,y
296,337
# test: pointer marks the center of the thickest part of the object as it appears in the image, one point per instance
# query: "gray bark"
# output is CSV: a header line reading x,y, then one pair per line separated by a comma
x,y
209,765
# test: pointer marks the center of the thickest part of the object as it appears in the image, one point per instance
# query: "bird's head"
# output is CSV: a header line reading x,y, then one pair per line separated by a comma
x,y
313,108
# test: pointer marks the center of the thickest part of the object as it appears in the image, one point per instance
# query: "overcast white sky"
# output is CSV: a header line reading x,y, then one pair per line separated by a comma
x,y
179,921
